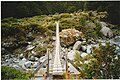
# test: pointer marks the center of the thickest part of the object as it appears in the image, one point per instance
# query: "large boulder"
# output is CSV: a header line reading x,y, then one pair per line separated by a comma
x,y
72,53
69,36
77,45
105,30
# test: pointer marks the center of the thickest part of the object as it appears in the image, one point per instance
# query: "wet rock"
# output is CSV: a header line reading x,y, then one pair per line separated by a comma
x,y
77,45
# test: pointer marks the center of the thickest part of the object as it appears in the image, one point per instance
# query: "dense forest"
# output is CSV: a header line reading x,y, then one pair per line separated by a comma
x,y
28,9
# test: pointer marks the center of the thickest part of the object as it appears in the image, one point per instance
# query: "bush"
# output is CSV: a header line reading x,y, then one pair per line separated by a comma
x,y
100,64
12,73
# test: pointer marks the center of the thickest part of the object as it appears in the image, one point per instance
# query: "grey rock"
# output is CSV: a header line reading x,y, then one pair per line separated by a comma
x,y
72,53
103,44
15,66
35,65
36,59
84,48
53,38
83,55
10,44
28,64
89,49
29,43
21,56
33,52
31,58
30,47
103,24
22,62
105,30
77,45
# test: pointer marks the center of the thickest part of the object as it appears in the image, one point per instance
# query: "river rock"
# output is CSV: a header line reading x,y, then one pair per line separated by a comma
x,y
30,47
84,48
90,24
35,65
103,24
4,51
31,58
36,59
105,30
21,56
10,45
53,38
22,62
89,47
15,66
33,52
77,45
24,59
103,44
28,64
72,53
86,62
69,36
83,55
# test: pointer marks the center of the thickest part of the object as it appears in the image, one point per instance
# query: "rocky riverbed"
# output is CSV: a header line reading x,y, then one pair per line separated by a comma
x,y
32,61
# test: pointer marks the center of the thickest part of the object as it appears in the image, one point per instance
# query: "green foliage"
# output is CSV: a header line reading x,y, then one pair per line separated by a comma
x,y
27,9
101,64
12,73
84,21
